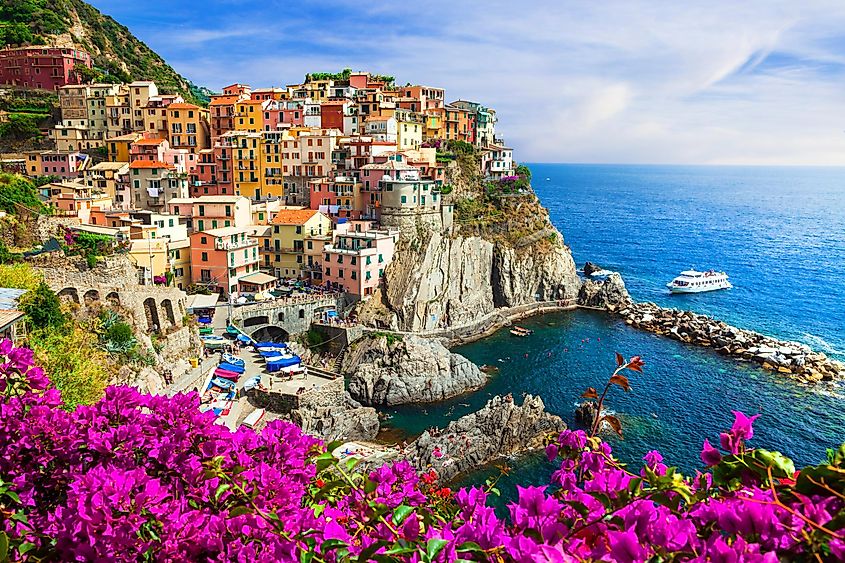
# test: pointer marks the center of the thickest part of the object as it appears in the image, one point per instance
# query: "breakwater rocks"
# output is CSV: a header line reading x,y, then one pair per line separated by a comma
x,y
500,429
394,370
347,421
792,359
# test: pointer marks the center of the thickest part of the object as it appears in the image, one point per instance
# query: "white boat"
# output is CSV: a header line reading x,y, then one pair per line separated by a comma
x,y
692,281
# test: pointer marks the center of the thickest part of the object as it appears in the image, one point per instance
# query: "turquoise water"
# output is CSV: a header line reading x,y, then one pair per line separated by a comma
x,y
780,235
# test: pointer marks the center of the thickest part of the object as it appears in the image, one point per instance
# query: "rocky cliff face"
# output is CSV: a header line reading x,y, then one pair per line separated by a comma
x,y
348,421
439,281
410,370
501,428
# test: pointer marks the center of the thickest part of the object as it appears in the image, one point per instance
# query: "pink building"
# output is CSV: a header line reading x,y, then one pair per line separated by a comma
x,y
41,67
339,198
65,165
204,182
213,211
355,260
220,258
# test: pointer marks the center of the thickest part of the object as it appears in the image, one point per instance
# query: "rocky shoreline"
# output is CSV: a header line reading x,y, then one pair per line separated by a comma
x,y
791,359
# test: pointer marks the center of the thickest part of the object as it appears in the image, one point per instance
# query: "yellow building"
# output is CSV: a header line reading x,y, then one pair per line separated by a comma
x,y
118,147
246,163
409,133
291,228
249,115
187,127
180,262
150,256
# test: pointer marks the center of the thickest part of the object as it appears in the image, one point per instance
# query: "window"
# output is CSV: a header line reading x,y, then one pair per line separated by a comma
x,y
202,228
203,240
204,257
404,199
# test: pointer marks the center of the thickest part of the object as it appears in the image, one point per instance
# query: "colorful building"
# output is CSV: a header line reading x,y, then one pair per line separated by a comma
x,y
220,258
188,127
155,183
48,68
111,178
292,229
66,165
356,259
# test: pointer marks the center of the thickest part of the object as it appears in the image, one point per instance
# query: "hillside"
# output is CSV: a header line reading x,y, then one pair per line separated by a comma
x,y
119,56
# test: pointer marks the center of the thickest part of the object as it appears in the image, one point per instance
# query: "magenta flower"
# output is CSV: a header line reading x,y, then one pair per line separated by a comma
x,y
709,454
743,428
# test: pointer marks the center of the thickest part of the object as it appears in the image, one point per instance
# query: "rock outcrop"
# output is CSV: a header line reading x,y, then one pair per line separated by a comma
x,y
609,293
437,281
397,370
792,359
501,428
586,413
341,422
590,268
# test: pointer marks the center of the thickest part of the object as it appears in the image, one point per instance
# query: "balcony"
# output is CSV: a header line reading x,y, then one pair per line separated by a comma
x,y
221,244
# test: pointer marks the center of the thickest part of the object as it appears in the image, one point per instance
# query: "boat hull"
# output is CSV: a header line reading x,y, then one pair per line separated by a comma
x,y
703,289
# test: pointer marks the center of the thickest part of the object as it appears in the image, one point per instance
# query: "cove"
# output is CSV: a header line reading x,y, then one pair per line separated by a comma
x,y
685,394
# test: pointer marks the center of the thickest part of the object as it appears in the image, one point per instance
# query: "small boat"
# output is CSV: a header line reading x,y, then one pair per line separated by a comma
x,y
520,331
231,367
488,368
212,338
206,330
692,281
226,374
230,359
222,384
270,345
232,330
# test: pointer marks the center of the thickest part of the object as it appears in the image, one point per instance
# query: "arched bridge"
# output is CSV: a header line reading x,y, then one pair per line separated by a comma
x,y
281,318
162,308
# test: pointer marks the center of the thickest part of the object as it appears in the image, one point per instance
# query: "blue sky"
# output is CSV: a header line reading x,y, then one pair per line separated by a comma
x,y
719,82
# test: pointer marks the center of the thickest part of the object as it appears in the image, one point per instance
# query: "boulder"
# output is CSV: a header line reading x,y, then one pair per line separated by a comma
x,y
338,423
610,291
393,370
586,413
500,429
590,268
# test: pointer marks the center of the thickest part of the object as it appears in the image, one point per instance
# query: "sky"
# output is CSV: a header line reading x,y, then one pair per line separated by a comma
x,y
675,82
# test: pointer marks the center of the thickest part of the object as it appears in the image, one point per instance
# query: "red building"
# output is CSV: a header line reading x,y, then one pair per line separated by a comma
x,y
41,67
331,116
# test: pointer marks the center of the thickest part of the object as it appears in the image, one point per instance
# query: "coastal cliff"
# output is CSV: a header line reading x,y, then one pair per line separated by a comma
x,y
386,371
500,429
499,255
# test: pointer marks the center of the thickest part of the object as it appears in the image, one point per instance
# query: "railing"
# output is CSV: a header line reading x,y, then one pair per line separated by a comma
x,y
229,245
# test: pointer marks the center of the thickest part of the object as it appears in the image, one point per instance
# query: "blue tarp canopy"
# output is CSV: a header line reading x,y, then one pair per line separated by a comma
x,y
231,367
332,313
270,345
222,383
283,363
204,320
270,353
244,338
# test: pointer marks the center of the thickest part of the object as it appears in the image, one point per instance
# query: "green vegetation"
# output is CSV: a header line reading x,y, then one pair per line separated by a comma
x,y
88,245
16,190
391,337
43,309
314,338
118,55
19,276
344,75
7,256
446,189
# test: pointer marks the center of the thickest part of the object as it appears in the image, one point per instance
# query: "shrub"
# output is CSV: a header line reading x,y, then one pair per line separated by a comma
x,y
17,190
140,477
43,308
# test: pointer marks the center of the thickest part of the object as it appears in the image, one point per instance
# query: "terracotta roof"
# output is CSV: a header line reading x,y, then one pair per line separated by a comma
x,y
150,164
223,101
252,102
293,216
155,141
182,105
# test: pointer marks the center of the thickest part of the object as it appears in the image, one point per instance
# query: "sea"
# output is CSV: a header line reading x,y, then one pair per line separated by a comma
x,y
779,233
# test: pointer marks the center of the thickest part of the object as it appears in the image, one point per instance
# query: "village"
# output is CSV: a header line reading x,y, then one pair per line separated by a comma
x,y
272,208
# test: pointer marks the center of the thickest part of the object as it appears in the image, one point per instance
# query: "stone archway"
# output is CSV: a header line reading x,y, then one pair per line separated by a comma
x,y
271,333
70,293
91,296
167,305
151,312
302,313
113,298
255,321
281,316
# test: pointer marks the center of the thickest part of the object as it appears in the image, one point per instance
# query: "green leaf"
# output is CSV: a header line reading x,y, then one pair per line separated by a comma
x,y
434,547
401,513
330,545
222,488
239,511
370,486
25,548
14,496
471,547
4,546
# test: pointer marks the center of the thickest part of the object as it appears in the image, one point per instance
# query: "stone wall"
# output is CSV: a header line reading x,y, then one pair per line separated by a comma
x,y
329,393
293,315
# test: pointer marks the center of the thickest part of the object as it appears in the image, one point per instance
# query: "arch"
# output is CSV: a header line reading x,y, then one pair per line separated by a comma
x,y
151,312
70,293
302,313
113,298
167,305
91,296
281,316
271,333
255,321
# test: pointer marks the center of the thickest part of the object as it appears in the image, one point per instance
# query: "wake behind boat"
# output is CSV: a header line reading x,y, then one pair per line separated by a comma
x,y
692,281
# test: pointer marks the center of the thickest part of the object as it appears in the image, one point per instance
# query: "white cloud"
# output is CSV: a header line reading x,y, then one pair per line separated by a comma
x,y
670,82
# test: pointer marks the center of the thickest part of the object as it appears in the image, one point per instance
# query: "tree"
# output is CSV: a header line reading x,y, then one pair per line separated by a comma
x,y
43,308
6,256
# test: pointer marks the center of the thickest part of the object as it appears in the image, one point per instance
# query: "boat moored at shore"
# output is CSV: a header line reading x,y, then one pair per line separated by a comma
x,y
692,281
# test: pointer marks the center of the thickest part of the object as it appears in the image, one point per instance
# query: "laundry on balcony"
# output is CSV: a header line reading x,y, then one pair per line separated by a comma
x,y
333,209
323,209
153,192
